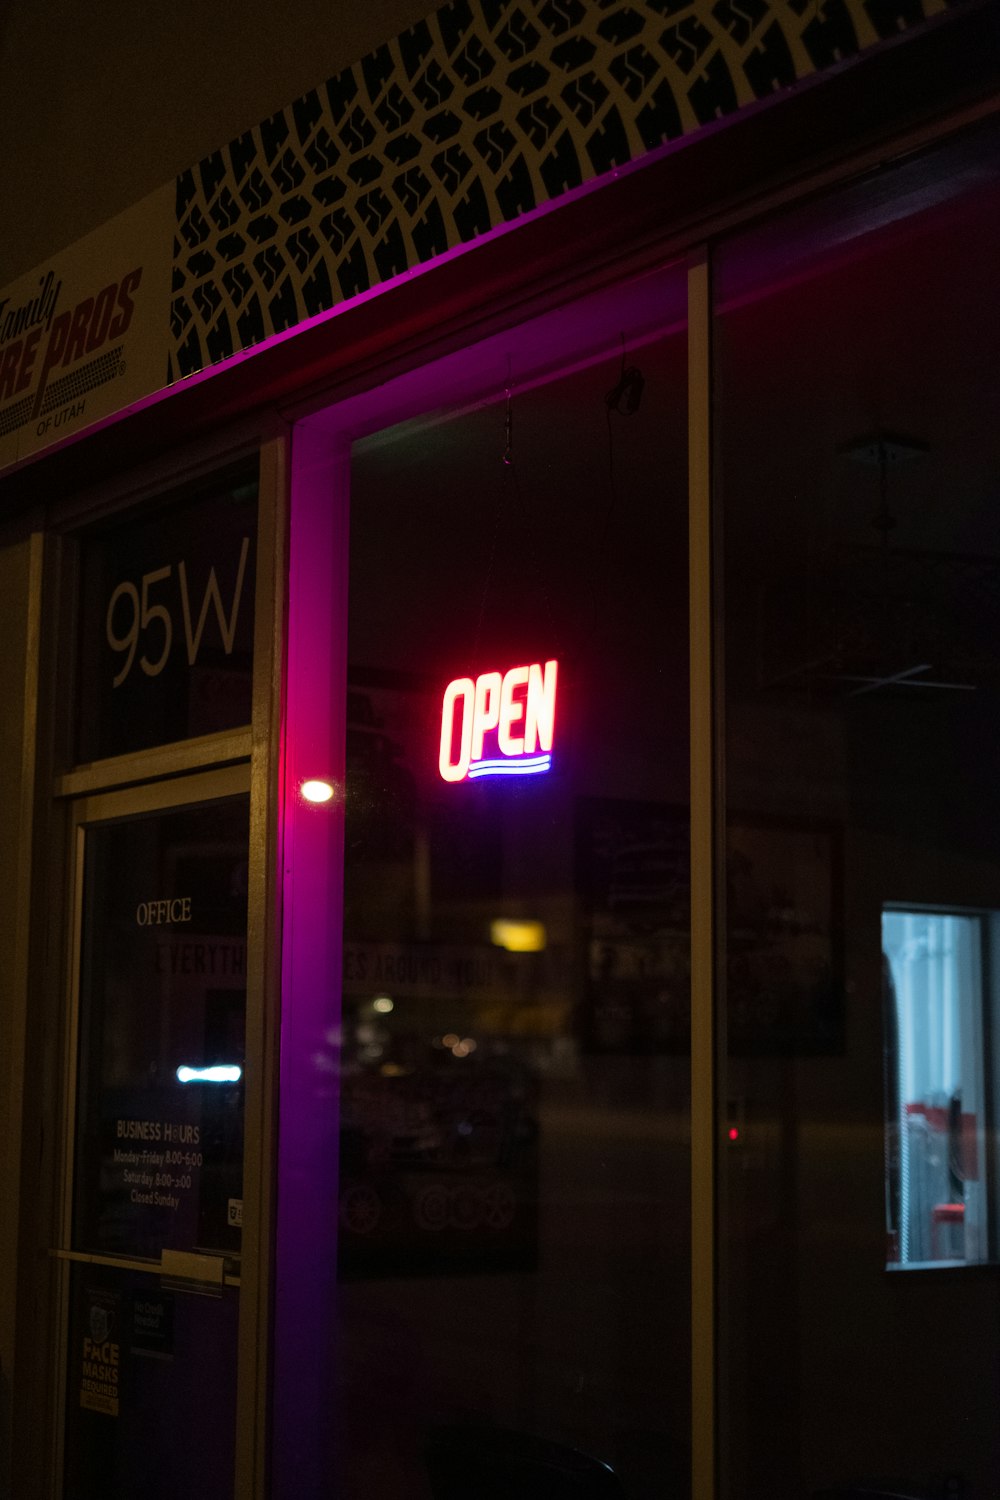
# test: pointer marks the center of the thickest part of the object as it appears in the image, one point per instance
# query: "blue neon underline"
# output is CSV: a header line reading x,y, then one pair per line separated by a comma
x,y
509,767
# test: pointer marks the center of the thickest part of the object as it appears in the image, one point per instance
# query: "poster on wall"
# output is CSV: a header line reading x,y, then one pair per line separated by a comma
x,y
633,878
784,981
99,1343
784,993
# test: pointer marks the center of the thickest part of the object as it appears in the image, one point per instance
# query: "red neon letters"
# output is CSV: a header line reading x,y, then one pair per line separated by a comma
x,y
513,714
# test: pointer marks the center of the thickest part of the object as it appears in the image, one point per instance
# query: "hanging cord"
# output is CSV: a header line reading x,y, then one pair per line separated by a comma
x,y
601,546
884,520
624,398
508,426
526,514
508,461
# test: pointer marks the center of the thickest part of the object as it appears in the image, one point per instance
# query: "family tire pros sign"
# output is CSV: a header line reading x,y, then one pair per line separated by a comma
x,y
37,341
501,724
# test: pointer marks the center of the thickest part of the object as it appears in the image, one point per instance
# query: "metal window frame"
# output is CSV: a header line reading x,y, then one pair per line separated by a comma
x,y
84,813
707,1043
330,458
244,759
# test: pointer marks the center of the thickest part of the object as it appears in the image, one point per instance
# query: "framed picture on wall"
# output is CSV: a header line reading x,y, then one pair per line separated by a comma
x,y
784,952
633,877
784,976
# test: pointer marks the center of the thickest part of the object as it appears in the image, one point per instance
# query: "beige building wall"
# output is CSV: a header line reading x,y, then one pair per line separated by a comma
x,y
16,696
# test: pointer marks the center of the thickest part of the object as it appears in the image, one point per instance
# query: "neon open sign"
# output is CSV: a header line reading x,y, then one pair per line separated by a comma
x,y
500,725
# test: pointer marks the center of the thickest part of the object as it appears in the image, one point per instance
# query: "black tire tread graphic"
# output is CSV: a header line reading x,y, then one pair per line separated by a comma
x,y
492,107
64,391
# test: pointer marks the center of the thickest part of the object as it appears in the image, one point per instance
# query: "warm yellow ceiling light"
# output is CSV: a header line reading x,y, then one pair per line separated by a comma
x,y
516,936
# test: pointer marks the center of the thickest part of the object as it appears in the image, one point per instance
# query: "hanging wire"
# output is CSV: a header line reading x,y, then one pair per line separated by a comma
x,y
508,461
624,398
884,520
508,426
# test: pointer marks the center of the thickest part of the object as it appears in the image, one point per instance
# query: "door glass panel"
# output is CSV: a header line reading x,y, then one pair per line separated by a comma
x,y
151,1388
514,1184
159,1152
159,1139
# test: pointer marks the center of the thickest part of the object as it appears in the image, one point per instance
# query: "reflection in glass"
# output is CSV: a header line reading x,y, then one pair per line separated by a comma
x,y
161,1044
857,460
513,1212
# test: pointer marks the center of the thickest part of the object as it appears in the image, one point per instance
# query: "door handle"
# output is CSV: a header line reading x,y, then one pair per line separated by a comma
x,y
191,1271
184,1269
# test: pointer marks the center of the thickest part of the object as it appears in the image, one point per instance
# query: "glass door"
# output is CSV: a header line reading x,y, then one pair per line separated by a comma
x,y
153,1195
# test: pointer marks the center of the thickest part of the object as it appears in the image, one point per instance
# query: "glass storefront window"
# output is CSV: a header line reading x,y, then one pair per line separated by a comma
x,y
505,1034
512,1055
856,463
514,1183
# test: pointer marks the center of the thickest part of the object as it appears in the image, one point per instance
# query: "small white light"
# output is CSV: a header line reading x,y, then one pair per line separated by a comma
x,y
316,791
219,1073
383,1005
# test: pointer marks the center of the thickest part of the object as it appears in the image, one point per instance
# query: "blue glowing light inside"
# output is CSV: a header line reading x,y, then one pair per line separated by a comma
x,y
220,1073
528,765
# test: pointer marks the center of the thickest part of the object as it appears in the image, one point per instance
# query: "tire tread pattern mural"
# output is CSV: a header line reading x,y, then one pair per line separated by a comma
x,y
466,121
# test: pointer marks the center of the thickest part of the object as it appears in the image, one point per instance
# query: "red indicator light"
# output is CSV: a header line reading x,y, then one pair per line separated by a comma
x,y
734,1133
503,724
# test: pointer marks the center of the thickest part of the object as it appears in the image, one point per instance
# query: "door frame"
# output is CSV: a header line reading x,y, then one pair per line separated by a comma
x,y
70,798
86,813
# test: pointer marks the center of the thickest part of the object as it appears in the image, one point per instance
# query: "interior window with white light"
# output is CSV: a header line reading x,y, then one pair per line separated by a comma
x,y
936,968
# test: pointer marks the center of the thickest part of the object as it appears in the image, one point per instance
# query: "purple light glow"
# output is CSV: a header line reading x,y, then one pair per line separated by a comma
x,y
510,741
311,970
402,279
